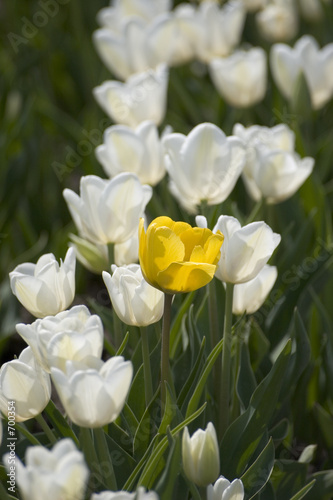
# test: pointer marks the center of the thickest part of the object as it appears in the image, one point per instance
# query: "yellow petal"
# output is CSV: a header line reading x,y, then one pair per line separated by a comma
x,y
185,277
212,248
192,237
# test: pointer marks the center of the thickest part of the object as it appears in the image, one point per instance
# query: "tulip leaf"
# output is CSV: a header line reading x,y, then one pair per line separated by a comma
x,y
144,430
257,475
184,393
301,493
130,420
194,401
148,473
325,423
136,399
244,434
166,484
123,345
59,422
175,334
246,381
279,431
288,477
169,411
323,487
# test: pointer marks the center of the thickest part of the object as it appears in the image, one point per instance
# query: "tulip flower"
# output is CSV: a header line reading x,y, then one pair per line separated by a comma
x,y
93,394
241,78
201,457
177,258
127,252
107,211
142,97
253,5
57,474
1,429
45,288
140,494
138,151
126,51
93,257
245,250
24,381
248,297
278,21
306,57
172,37
75,334
273,170
224,490
221,29
133,299
111,17
204,166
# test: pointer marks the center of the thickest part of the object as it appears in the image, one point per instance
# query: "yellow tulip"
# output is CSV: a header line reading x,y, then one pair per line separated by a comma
x,y
176,257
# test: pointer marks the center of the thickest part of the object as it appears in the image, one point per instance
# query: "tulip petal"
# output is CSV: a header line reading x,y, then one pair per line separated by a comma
x,y
185,276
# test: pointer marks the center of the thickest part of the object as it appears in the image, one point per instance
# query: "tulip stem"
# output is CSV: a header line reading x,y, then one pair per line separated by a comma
x,y
257,210
105,461
88,448
226,362
146,365
111,253
44,425
165,345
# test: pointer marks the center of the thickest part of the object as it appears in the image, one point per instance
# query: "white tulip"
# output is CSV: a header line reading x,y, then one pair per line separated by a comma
x,y
45,288
94,257
278,21
127,252
204,166
241,78
245,250
140,494
224,490
133,299
306,57
172,37
221,29
75,334
273,170
248,297
138,151
201,457
108,211
57,474
142,97
127,51
93,395
24,381
111,17
277,175
311,10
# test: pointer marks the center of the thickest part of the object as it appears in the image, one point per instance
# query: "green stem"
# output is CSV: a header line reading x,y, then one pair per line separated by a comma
x,y
226,362
111,254
165,345
213,330
105,462
146,365
44,425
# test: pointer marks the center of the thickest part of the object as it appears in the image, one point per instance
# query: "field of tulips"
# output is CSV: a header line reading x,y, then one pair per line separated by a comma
x,y
166,242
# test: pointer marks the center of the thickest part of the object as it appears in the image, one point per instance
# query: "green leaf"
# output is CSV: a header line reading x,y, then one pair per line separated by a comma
x,y
148,473
59,422
184,393
166,484
256,476
323,487
301,493
144,431
194,401
244,434
175,334
246,381
123,345
325,422
135,399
